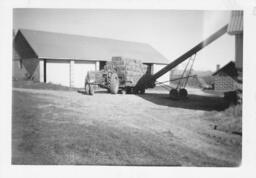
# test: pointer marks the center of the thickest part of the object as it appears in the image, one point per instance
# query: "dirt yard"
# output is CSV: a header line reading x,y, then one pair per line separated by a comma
x,y
68,127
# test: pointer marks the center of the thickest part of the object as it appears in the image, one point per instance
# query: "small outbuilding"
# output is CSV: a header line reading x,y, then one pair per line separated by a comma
x,y
65,59
226,78
229,77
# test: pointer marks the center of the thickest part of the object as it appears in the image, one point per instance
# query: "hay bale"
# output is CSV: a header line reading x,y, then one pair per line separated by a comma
x,y
127,69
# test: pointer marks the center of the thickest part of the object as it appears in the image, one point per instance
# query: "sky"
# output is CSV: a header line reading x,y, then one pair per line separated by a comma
x,y
171,32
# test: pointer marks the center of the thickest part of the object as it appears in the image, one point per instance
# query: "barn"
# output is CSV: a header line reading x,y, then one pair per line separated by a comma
x,y
65,59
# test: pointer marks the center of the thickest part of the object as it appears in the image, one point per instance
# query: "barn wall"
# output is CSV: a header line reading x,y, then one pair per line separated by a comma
x,y
224,83
22,47
18,70
25,62
26,69
32,67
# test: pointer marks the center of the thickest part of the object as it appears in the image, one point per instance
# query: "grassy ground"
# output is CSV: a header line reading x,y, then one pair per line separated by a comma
x,y
229,120
67,127
37,85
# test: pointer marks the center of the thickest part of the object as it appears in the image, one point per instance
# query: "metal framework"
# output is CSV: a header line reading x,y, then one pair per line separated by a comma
x,y
185,56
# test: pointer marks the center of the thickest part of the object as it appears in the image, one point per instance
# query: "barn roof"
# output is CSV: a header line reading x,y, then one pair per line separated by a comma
x,y
236,23
49,45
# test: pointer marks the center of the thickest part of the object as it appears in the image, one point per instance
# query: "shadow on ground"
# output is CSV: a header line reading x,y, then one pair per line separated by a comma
x,y
196,102
193,101
96,92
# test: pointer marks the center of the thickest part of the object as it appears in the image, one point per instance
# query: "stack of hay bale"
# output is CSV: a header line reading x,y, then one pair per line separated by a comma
x,y
128,70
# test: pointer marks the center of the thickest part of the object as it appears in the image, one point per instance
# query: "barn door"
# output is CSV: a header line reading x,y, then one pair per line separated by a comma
x,y
58,72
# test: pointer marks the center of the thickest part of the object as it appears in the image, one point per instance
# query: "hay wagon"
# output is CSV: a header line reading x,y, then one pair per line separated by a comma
x,y
129,75
119,74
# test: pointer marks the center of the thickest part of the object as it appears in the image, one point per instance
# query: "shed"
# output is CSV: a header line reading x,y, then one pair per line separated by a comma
x,y
226,78
229,78
65,59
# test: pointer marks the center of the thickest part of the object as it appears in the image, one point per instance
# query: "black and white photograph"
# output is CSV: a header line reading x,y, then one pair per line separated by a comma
x,y
127,87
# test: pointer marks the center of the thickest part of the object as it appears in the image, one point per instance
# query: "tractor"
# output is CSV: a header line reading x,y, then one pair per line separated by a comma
x,y
131,76
119,74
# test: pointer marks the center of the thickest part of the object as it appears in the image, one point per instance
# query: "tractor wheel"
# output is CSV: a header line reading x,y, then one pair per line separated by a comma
x,y
91,90
87,89
183,93
174,94
114,83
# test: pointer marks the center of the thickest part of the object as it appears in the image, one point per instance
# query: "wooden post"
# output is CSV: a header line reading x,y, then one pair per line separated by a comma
x,y
41,70
97,66
72,73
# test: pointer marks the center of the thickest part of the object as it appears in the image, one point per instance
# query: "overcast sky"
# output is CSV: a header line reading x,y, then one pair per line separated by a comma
x,y
170,32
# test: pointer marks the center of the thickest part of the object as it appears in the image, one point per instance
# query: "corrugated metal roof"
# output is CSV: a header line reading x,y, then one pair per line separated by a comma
x,y
51,45
236,23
